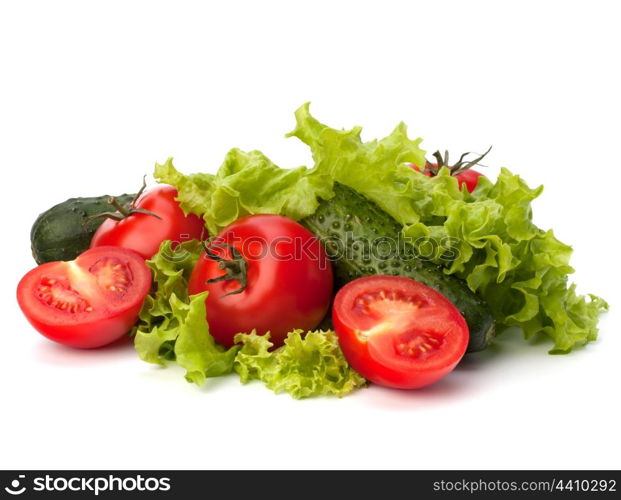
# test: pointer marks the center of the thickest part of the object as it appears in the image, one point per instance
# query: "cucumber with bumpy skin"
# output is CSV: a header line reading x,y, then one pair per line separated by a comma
x,y
65,231
349,225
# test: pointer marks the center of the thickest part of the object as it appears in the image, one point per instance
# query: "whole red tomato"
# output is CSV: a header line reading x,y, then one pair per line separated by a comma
x,y
397,332
154,217
87,302
279,279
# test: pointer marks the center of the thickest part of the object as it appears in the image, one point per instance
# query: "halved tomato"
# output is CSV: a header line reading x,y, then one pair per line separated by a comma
x,y
397,332
87,302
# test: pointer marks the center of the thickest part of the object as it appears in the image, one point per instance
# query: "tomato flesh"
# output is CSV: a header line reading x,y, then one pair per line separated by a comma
x,y
397,332
144,233
88,302
289,280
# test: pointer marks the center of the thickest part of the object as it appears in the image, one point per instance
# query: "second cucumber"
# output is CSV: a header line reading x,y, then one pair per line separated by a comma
x,y
353,229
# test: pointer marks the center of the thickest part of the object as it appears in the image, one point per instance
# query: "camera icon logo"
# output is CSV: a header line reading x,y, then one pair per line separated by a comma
x,y
14,488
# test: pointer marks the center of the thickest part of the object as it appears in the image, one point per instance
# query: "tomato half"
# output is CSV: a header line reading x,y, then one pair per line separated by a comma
x,y
288,279
143,232
397,332
87,302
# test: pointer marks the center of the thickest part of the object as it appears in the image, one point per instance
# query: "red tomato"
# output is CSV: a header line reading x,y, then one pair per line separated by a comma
x,y
468,177
289,280
397,332
144,233
87,302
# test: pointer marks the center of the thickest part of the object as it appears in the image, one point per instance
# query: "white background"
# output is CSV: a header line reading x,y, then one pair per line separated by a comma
x,y
92,94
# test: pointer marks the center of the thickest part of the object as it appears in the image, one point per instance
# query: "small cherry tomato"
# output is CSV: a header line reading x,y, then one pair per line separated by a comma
x,y
461,170
468,177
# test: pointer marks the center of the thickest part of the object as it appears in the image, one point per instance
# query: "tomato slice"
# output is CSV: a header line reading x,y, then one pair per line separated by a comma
x,y
88,302
397,332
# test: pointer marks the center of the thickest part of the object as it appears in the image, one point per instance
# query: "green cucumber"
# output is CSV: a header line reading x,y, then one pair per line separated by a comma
x,y
64,231
348,224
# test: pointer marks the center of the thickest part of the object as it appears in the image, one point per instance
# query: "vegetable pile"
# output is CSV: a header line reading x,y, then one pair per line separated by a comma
x,y
373,265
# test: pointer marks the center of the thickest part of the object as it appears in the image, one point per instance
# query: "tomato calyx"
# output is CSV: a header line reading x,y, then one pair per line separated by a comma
x,y
124,211
443,161
235,268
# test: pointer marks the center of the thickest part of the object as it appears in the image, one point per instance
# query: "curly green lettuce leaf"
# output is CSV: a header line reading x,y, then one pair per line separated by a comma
x,y
246,183
305,366
171,269
487,237
173,326
196,350
368,167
